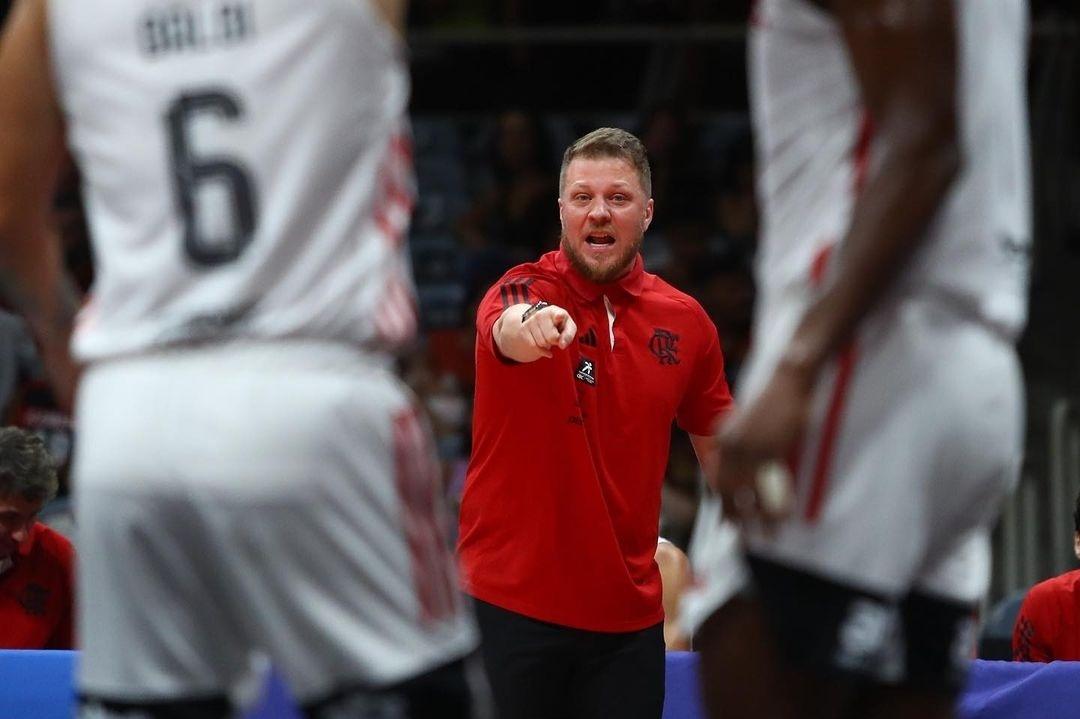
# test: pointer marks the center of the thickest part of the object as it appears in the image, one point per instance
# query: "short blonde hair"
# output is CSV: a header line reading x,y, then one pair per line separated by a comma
x,y
610,142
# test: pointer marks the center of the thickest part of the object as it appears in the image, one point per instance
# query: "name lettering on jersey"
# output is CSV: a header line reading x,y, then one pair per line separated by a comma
x,y
664,345
195,27
211,326
586,372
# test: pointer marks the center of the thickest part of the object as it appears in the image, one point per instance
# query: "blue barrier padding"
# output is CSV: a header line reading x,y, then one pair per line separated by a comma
x,y
682,700
274,701
1014,690
39,684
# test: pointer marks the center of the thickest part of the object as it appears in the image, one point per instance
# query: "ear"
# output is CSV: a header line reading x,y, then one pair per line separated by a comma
x,y
1076,544
648,215
561,221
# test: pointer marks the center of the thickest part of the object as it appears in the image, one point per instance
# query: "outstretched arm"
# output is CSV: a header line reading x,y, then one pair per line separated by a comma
x,y
543,331
32,278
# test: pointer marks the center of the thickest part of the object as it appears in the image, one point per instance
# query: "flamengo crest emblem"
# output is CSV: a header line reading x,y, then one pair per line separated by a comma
x,y
665,346
34,599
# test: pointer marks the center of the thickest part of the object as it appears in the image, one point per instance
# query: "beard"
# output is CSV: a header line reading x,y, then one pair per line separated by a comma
x,y
603,272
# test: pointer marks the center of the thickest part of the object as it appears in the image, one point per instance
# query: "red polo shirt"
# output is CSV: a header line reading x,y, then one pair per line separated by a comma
x,y
36,593
562,497
1048,626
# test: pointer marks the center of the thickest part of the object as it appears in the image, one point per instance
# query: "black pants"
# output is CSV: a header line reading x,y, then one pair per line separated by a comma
x,y
546,671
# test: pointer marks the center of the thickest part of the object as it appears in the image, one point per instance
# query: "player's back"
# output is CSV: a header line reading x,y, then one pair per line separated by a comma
x,y
246,170
817,147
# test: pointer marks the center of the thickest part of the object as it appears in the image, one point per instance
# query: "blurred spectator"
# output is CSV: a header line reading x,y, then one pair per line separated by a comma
x,y
1048,626
734,207
17,359
725,287
678,174
36,563
684,249
514,213
35,409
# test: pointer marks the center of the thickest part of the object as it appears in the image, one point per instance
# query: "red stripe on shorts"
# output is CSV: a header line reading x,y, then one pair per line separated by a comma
x,y
845,369
418,484
846,359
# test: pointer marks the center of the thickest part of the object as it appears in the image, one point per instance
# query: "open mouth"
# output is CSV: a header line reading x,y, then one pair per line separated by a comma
x,y
600,240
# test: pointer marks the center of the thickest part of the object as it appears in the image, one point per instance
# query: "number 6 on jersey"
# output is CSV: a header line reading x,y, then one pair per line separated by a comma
x,y
192,173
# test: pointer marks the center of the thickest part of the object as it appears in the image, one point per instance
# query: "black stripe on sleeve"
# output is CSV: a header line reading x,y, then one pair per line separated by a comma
x,y
515,292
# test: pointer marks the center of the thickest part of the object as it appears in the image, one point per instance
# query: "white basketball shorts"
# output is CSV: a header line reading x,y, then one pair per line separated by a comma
x,y
276,499
915,438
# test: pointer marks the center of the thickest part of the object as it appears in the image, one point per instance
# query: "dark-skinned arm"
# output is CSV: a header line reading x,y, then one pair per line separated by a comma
x,y
903,53
32,279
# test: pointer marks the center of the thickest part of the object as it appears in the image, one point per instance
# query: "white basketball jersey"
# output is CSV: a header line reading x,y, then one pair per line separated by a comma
x,y
247,170
816,146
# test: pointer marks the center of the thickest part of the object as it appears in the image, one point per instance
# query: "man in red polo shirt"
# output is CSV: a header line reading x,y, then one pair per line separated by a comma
x,y
36,563
583,361
1047,627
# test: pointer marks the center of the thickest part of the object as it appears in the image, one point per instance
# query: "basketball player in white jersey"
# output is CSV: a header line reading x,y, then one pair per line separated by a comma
x,y
251,478
894,179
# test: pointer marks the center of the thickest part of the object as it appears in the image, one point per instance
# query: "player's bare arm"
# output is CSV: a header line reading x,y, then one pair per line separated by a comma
x,y
903,53
32,278
393,11
543,330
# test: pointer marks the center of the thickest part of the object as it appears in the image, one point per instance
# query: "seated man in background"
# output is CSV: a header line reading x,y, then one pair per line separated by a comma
x,y
1048,625
36,586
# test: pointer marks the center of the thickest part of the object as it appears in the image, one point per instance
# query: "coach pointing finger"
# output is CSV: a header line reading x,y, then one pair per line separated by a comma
x,y
525,333
588,356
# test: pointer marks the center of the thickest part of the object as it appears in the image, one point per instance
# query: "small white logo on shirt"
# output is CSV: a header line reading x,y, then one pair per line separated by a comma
x,y
586,372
